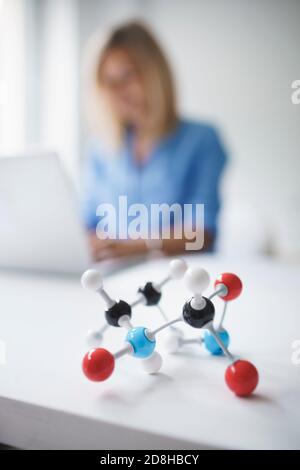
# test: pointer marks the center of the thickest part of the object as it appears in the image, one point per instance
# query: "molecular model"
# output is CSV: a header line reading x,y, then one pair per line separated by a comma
x,y
118,313
241,376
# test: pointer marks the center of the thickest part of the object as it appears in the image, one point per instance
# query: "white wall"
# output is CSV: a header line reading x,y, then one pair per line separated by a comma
x,y
235,61
59,92
12,75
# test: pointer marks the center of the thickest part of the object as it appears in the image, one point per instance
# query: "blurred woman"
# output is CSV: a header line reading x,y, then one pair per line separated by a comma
x,y
145,150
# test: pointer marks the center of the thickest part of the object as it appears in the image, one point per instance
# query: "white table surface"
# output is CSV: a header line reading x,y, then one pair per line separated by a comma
x,y
46,402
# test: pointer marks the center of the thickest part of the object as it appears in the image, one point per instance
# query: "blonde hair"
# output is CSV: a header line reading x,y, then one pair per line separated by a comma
x,y
143,49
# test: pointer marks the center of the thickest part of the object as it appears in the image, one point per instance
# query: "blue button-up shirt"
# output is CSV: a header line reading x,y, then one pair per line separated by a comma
x,y
184,167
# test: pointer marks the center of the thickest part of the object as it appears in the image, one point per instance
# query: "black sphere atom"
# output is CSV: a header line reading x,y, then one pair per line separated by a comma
x,y
198,318
114,313
151,295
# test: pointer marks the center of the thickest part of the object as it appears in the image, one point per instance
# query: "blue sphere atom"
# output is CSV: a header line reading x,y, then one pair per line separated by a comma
x,y
143,347
211,344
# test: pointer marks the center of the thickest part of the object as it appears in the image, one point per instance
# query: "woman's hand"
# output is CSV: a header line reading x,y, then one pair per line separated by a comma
x,y
106,249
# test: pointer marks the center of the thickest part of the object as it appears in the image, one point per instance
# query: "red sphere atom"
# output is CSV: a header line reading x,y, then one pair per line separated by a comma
x,y
98,364
241,377
232,282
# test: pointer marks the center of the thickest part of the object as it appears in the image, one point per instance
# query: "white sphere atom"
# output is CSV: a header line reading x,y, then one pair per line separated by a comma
x,y
196,280
152,364
172,342
91,280
94,338
177,268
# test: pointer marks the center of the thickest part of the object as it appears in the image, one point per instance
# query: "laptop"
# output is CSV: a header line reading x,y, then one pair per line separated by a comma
x,y
40,225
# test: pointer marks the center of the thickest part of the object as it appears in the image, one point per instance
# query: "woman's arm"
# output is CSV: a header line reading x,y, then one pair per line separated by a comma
x,y
177,246
105,249
204,179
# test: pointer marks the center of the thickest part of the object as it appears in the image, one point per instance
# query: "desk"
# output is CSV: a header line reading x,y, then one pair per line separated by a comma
x,y
47,403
